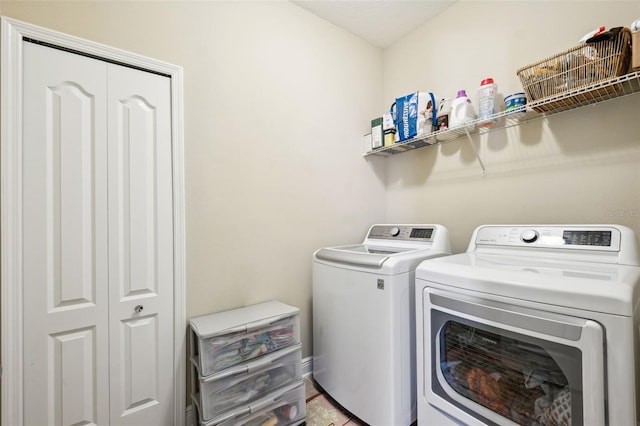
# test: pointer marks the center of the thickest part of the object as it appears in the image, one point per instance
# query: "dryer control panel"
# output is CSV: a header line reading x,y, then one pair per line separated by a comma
x,y
579,237
401,232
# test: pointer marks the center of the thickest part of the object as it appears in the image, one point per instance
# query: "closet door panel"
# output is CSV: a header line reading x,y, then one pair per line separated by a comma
x,y
71,146
73,351
65,272
141,247
139,342
136,146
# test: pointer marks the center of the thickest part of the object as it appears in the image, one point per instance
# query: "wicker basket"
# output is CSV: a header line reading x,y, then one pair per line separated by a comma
x,y
581,66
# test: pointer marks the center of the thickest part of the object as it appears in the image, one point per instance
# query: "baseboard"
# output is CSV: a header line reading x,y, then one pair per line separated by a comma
x,y
307,366
190,420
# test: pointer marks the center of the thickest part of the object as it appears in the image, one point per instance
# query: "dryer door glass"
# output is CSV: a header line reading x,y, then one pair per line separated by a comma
x,y
510,375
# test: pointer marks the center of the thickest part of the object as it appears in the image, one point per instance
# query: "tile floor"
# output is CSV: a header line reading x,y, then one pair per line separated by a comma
x,y
322,410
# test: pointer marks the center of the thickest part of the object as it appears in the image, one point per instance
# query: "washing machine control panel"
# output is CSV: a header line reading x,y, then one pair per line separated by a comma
x,y
558,237
401,232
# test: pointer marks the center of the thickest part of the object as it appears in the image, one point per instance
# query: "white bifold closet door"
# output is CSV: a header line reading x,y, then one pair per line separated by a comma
x,y
98,242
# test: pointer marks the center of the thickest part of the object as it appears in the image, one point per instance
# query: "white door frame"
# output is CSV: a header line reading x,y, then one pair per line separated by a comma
x,y
13,33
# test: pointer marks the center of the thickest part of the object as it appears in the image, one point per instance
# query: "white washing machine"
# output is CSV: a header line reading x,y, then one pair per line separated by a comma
x,y
364,322
533,325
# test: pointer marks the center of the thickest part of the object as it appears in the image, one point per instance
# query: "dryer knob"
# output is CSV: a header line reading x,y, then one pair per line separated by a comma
x,y
395,231
529,236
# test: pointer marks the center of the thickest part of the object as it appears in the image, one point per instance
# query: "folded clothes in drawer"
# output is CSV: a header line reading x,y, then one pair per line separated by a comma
x,y
286,406
246,382
225,339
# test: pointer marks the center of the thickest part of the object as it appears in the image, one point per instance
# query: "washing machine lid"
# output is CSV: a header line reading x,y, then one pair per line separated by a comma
x,y
360,254
389,248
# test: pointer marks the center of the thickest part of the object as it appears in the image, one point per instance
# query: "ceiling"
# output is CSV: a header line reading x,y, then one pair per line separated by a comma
x,y
381,22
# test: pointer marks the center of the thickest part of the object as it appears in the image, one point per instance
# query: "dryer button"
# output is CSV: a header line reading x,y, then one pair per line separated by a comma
x,y
395,231
529,236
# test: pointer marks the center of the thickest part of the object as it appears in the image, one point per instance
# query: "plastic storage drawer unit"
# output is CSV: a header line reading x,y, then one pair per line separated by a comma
x,y
222,340
244,383
283,407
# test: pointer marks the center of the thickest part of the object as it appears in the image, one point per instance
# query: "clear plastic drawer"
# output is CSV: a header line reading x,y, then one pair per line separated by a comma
x,y
226,339
285,406
244,383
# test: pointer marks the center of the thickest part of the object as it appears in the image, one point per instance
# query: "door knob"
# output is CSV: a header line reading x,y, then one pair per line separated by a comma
x,y
138,308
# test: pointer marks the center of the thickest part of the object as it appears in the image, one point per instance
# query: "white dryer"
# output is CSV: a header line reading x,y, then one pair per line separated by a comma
x,y
533,325
364,322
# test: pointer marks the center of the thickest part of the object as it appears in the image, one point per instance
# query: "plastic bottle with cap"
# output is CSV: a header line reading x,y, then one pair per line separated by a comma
x,y
461,112
487,103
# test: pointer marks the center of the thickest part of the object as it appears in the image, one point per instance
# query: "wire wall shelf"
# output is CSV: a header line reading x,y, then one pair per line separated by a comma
x,y
613,88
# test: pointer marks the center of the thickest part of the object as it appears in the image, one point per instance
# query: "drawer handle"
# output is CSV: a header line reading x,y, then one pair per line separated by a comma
x,y
138,308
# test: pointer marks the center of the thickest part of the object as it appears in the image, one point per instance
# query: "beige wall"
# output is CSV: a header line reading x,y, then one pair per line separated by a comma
x,y
276,103
579,166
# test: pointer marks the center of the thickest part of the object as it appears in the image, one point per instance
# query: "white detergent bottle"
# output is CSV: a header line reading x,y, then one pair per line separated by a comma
x,y
462,114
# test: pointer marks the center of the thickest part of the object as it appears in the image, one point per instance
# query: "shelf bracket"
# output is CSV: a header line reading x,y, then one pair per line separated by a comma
x,y
475,150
